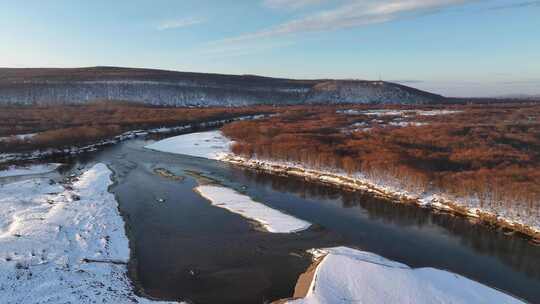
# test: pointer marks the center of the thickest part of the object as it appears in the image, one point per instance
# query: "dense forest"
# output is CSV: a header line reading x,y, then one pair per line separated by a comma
x,y
491,153
57,126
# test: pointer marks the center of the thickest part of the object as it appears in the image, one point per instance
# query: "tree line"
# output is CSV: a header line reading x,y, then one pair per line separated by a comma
x,y
490,153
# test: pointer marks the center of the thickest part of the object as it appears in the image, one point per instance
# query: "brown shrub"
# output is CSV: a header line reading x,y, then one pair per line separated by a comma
x,y
83,124
488,152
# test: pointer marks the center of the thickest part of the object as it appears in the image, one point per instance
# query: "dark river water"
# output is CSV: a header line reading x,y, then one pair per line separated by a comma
x,y
184,248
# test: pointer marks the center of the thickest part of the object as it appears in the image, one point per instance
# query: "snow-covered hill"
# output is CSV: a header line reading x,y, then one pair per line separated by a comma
x,y
158,87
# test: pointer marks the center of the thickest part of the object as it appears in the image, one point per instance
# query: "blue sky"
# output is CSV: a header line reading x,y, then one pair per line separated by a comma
x,y
453,47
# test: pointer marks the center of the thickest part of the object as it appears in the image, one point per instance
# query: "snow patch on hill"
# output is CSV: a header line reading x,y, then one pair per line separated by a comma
x,y
405,113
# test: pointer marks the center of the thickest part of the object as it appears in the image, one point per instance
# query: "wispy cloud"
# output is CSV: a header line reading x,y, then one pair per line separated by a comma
x,y
290,4
220,50
521,82
516,5
179,23
353,13
347,14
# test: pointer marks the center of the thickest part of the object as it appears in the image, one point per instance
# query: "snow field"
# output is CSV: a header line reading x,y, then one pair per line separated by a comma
x,y
346,275
63,246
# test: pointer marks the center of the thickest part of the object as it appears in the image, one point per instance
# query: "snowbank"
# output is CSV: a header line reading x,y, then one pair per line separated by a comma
x,y
347,275
34,169
271,219
211,144
511,218
63,246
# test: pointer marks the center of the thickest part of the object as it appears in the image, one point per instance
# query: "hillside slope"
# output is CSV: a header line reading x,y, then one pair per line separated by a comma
x,y
159,87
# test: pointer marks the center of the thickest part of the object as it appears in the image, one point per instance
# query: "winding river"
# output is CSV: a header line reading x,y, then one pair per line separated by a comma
x,y
185,248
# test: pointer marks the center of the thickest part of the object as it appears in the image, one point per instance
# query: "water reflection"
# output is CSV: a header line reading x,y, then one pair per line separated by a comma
x,y
513,251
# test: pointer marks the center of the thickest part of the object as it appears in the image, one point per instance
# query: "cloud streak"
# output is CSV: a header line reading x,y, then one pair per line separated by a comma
x,y
407,81
516,5
290,4
179,23
353,13
241,49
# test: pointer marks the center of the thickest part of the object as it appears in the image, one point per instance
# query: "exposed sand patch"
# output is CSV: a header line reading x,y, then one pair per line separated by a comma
x,y
168,174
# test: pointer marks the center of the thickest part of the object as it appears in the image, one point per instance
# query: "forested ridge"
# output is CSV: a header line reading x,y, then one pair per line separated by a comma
x,y
49,86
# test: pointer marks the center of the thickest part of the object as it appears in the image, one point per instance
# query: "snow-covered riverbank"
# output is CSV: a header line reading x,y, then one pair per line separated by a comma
x,y
510,219
346,275
63,244
270,219
469,207
28,170
211,145
74,150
